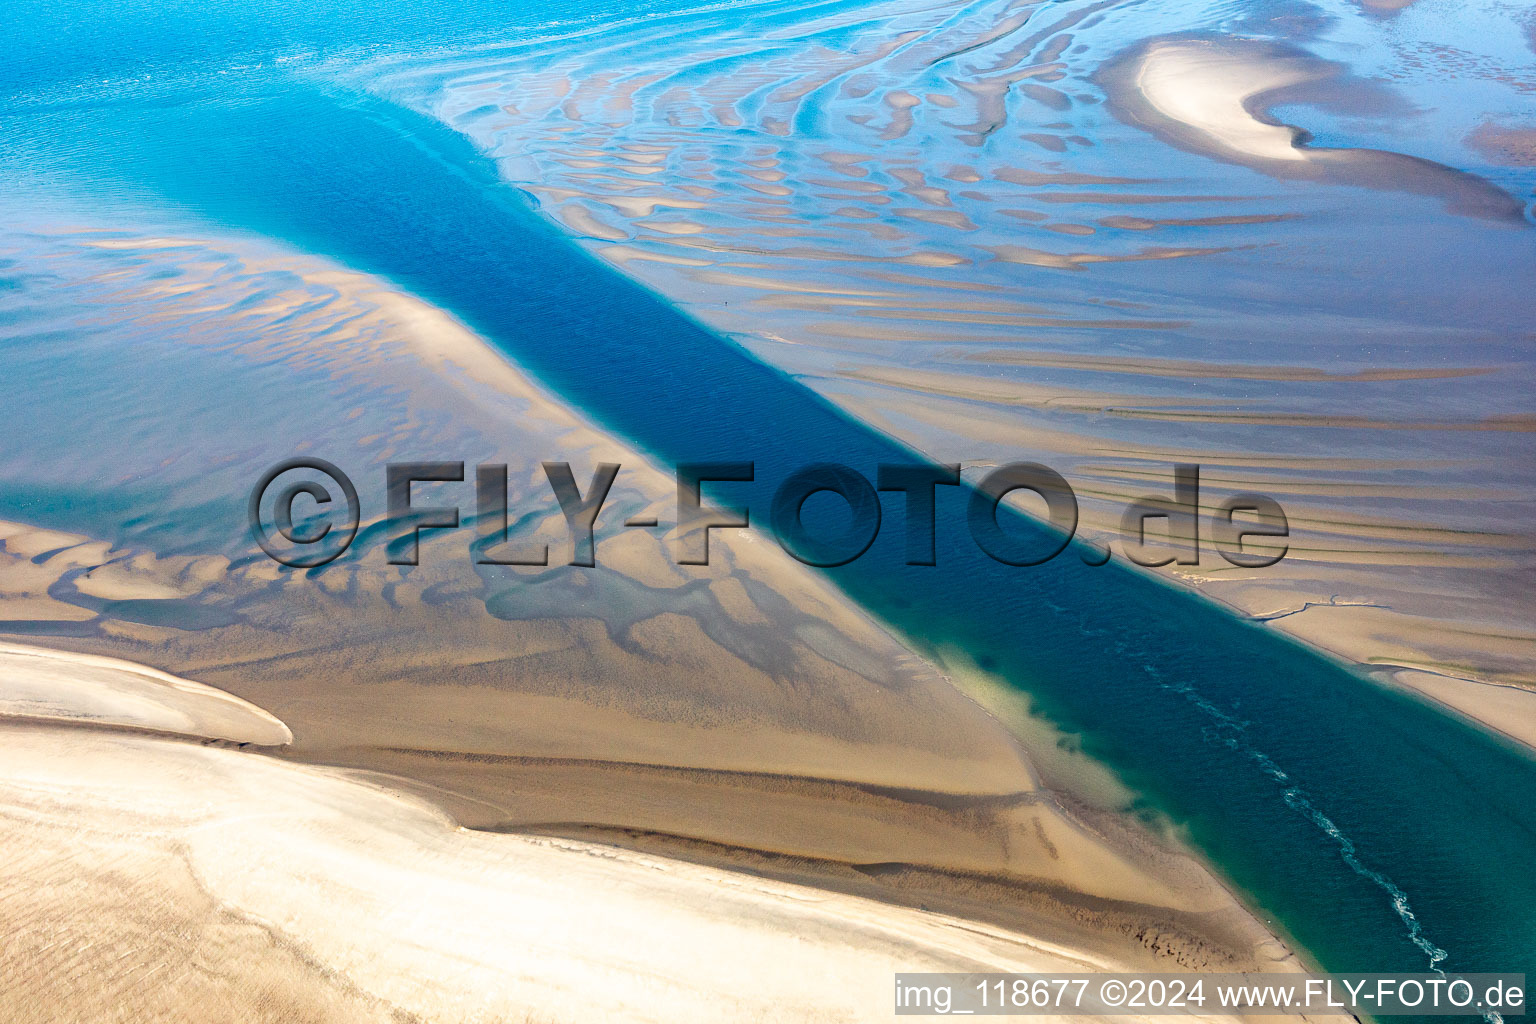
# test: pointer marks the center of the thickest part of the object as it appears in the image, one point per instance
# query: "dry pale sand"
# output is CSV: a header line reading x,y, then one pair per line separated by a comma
x,y
1205,87
36,683
166,880
177,878
1210,95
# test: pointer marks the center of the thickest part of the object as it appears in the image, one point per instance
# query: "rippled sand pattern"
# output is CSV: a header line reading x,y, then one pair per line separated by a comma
x,y
739,712
938,216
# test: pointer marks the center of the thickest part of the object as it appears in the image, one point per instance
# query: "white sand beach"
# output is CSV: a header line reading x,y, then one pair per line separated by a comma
x,y
195,881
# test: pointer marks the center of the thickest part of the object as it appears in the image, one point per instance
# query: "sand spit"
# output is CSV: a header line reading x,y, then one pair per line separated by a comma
x,y
196,883
1209,95
1510,710
41,684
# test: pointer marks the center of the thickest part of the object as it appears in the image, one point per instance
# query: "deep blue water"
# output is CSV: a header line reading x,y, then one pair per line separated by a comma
x,y
1377,831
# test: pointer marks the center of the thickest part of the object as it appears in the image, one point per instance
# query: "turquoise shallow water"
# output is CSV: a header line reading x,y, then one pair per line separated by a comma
x,y
1381,834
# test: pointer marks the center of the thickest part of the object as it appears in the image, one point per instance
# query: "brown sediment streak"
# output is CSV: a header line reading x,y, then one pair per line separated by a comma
x,y
1493,424
984,389
1021,394
947,218
780,285
901,103
1185,368
1130,198
1020,176
1208,95
916,185
1078,260
895,277
907,312
1126,223
971,418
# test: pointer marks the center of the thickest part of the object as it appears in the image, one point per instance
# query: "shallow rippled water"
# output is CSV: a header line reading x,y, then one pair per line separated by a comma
x,y
946,218
943,218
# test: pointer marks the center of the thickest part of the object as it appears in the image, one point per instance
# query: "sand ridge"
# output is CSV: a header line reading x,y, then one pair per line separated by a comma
x,y
41,684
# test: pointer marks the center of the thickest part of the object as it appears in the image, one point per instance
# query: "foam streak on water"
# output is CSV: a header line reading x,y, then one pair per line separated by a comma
x,y
1230,731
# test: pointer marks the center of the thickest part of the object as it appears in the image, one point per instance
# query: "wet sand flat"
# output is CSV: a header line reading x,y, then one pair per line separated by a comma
x,y
741,714
984,245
